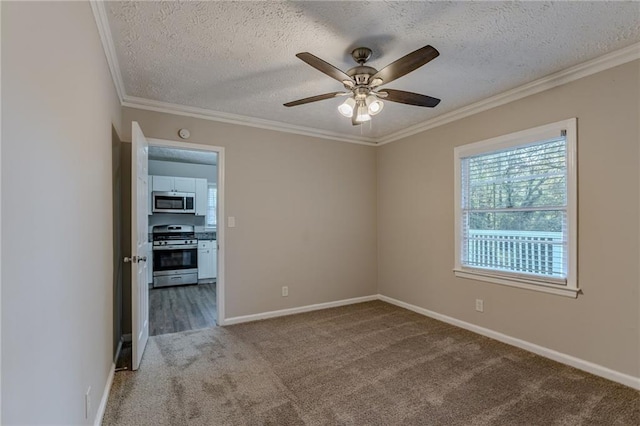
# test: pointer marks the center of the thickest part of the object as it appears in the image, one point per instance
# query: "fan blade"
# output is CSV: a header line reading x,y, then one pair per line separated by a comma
x,y
314,99
410,98
324,67
406,64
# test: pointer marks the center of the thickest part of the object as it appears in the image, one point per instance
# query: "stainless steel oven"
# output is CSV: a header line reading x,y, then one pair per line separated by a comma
x,y
175,255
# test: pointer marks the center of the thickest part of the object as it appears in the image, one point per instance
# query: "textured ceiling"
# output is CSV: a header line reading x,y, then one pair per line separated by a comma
x,y
239,57
182,155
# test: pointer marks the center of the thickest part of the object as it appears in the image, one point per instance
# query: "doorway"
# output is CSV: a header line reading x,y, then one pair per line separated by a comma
x,y
208,293
183,273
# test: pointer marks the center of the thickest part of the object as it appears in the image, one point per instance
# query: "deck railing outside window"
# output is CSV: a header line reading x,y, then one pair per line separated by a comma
x,y
517,251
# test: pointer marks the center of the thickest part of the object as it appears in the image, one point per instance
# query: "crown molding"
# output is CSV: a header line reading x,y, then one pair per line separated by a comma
x,y
100,15
609,60
568,75
102,22
225,117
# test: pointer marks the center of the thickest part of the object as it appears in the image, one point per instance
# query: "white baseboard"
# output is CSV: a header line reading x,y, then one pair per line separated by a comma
x,y
299,310
107,388
105,396
589,367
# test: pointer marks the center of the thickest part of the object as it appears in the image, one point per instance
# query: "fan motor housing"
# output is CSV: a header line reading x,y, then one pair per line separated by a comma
x,y
361,74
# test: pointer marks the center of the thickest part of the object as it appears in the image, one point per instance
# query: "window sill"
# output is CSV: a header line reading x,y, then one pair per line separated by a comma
x,y
518,283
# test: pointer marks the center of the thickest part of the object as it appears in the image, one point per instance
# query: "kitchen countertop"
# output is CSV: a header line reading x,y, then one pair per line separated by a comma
x,y
206,235
199,235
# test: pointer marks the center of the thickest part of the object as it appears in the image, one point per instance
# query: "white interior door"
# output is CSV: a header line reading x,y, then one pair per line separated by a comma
x,y
139,242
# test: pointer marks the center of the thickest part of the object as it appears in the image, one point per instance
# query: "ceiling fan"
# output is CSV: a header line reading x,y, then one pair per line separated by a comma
x,y
363,83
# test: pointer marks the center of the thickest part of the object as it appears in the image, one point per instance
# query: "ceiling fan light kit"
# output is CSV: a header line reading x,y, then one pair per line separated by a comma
x,y
374,105
347,107
363,113
362,83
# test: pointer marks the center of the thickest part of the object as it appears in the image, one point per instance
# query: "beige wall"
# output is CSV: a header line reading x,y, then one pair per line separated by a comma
x,y
416,223
58,107
305,212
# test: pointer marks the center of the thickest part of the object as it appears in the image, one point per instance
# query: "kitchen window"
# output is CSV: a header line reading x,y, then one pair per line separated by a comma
x,y
212,197
515,208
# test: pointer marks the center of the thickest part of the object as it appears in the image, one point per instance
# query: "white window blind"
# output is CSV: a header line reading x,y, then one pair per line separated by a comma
x,y
515,208
211,219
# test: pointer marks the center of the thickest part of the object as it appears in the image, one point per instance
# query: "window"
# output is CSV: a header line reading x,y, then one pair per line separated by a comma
x,y
212,197
516,209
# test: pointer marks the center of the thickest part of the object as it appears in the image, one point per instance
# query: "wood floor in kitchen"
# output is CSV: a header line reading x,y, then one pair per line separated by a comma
x,y
173,309
180,308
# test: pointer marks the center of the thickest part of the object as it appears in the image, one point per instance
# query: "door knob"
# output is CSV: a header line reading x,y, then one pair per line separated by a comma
x,y
142,259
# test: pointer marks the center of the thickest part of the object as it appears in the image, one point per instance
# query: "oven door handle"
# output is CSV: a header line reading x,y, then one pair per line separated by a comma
x,y
177,247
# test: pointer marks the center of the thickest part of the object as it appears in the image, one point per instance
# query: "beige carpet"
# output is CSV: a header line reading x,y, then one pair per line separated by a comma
x,y
366,364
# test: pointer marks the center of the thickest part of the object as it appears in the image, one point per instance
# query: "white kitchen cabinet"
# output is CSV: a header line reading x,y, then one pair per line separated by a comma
x,y
201,197
182,184
206,259
150,189
173,184
162,183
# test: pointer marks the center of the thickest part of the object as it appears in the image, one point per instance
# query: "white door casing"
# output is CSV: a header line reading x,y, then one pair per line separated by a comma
x,y
139,243
219,259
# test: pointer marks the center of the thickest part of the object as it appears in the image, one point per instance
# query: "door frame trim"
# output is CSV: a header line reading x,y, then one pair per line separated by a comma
x,y
220,228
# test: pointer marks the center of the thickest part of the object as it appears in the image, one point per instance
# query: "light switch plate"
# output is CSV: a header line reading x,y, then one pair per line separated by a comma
x,y
232,222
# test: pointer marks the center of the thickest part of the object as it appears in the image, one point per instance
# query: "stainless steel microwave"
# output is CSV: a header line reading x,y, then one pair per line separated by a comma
x,y
173,202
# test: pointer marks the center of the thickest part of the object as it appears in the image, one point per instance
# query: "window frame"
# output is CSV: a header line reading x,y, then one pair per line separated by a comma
x,y
514,140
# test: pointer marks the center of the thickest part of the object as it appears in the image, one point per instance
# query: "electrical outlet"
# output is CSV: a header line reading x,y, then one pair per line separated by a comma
x,y
87,403
479,305
285,291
